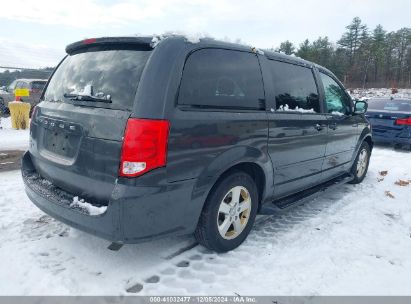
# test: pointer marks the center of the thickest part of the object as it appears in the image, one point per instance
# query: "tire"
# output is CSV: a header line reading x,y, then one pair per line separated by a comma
x,y
222,225
4,110
361,163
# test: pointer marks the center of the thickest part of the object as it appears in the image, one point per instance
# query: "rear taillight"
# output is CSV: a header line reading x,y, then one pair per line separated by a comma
x,y
403,121
33,115
144,146
33,112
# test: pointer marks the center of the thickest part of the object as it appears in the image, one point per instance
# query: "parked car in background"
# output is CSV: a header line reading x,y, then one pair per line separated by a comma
x,y
35,87
390,119
134,140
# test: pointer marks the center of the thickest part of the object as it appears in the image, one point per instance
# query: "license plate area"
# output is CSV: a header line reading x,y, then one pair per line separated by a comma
x,y
59,138
60,142
380,122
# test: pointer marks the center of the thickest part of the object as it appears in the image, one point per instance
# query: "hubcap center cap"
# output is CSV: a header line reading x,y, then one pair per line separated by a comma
x,y
233,210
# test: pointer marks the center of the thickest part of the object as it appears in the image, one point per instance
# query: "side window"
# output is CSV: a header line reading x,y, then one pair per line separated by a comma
x,y
337,101
222,78
295,87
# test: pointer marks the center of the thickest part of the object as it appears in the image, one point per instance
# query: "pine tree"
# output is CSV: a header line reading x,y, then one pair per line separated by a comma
x,y
305,50
378,48
352,39
286,47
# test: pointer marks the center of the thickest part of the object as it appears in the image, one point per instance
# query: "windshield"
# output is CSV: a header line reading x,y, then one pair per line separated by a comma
x,y
390,105
12,85
112,74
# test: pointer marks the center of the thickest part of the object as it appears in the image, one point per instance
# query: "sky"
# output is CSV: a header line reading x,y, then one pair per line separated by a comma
x,y
35,33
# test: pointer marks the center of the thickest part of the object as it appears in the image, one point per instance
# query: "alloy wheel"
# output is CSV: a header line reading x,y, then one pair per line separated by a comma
x,y
234,212
362,162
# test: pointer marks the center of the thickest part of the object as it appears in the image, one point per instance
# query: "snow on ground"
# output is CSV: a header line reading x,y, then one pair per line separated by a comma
x,y
354,241
11,139
383,92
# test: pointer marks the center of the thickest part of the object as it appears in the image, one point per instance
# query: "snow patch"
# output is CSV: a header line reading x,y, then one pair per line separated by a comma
x,y
190,37
196,37
365,94
11,139
89,208
286,108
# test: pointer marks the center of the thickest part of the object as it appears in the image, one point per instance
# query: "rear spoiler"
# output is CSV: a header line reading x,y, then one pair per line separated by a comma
x,y
142,42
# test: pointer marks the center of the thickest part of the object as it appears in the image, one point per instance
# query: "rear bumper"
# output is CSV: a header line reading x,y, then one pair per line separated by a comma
x,y
134,214
389,135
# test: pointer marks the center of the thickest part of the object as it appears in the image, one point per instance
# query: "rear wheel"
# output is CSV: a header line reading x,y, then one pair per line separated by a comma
x,y
229,213
360,166
4,110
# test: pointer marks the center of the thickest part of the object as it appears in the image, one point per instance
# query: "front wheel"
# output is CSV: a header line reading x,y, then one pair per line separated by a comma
x,y
360,166
229,213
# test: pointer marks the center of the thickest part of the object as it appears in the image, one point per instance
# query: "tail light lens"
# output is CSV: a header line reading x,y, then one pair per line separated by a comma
x,y
33,112
403,121
33,115
144,146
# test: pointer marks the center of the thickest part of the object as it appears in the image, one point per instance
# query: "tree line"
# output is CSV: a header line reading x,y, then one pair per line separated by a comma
x,y
7,77
361,57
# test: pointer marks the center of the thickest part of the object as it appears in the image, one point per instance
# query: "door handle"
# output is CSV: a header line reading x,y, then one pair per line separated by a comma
x,y
319,127
355,125
333,126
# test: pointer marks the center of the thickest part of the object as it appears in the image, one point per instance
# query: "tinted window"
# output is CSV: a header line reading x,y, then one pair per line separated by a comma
x,y
336,99
38,85
102,73
222,78
390,105
22,85
295,87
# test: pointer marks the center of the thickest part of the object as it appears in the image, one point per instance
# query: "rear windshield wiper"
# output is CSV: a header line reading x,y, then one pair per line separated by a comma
x,y
87,98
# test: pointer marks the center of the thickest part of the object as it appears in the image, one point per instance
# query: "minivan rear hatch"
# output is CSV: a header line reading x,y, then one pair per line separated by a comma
x,y
76,132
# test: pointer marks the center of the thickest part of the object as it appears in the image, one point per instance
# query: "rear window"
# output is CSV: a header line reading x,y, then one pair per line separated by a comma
x,y
22,85
295,87
38,85
222,78
390,105
111,75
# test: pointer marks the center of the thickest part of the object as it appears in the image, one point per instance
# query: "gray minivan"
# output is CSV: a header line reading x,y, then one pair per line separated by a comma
x,y
135,140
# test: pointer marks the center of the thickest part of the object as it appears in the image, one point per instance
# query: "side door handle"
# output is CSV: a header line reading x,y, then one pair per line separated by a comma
x,y
333,126
319,127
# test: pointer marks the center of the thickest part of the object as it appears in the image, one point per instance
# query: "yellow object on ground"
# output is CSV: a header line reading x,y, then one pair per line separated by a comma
x,y
19,112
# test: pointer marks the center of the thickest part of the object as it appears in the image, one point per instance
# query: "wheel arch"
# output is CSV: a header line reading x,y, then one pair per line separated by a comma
x,y
365,136
246,159
253,170
368,140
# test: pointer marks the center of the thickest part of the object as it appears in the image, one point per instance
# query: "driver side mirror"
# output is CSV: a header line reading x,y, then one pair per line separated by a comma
x,y
360,107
